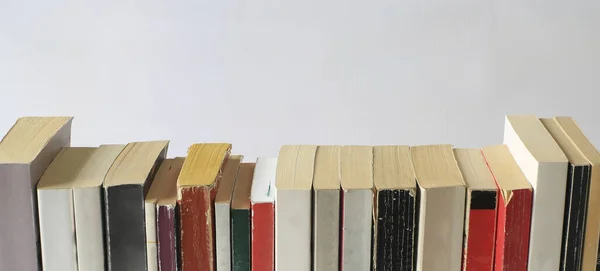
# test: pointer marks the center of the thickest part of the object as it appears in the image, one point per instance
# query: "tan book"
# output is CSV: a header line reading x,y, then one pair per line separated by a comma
x,y
293,181
326,221
442,208
223,212
25,153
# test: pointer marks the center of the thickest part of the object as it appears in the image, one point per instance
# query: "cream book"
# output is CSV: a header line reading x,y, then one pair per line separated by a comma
x,y
442,208
70,205
545,167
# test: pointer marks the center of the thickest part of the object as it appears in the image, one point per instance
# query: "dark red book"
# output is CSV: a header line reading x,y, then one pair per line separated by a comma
x,y
197,184
514,210
263,214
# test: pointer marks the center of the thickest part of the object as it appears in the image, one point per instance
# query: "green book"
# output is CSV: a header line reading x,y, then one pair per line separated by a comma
x,y
240,219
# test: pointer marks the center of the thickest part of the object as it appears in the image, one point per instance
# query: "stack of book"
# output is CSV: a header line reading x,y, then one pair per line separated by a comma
x,y
524,204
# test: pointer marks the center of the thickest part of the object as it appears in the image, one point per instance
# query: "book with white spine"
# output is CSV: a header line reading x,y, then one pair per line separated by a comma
x,y
262,200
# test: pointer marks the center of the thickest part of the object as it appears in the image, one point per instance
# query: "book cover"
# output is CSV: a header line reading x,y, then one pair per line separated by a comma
x,y
240,219
262,200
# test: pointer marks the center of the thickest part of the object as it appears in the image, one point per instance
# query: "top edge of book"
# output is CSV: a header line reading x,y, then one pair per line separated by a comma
x,y
295,167
203,164
565,143
578,137
243,187
435,166
356,167
263,183
135,163
228,179
504,168
393,168
536,139
164,187
79,167
327,168
28,137
474,169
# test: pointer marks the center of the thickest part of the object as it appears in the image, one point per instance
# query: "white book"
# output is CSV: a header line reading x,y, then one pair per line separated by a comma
x,y
545,166
293,216
70,208
263,184
25,152
222,212
356,176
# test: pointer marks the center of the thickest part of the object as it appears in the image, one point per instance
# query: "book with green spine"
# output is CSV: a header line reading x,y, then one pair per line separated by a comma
x,y
240,219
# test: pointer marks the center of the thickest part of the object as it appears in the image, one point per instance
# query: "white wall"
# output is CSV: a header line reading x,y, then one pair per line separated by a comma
x,y
264,73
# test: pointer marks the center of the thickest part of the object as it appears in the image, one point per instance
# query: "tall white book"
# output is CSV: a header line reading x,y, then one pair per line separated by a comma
x,y
293,215
70,208
545,166
356,176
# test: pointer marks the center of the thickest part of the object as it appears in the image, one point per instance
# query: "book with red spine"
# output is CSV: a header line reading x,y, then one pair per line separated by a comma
x,y
481,210
262,200
514,210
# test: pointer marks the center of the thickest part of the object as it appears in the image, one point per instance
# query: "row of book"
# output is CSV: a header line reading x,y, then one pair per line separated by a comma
x,y
520,205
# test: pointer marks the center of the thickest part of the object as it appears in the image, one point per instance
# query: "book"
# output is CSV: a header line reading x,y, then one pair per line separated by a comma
x,y
480,210
514,210
223,210
356,177
161,233
576,198
125,188
326,208
262,198
591,255
70,204
395,208
240,219
25,153
545,167
441,209
293,201
197,186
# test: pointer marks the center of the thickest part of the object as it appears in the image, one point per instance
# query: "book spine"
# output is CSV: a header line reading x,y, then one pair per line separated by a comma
x,y
293,230
480,235
151,248
326,230
591,253
240,239
125,226
167,238
57,230
357,227
512,231
197,230
223,236
574,222
89,228
394,243
263,236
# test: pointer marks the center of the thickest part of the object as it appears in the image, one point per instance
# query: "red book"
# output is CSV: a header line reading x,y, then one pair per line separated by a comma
x,y
514,210
197,184
263,215
481,210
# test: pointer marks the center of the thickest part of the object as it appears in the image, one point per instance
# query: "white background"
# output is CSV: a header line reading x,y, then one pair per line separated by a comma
x,y
262,73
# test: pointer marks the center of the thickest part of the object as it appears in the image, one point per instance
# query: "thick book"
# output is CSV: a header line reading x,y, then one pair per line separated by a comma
x,y
591,255
25,152
240,219
356,177
223,212
395,209
441,209
125,188
197,185
545,166
262,199
326,208
293,214
576,198
161,234
480,211
70,204
514,210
